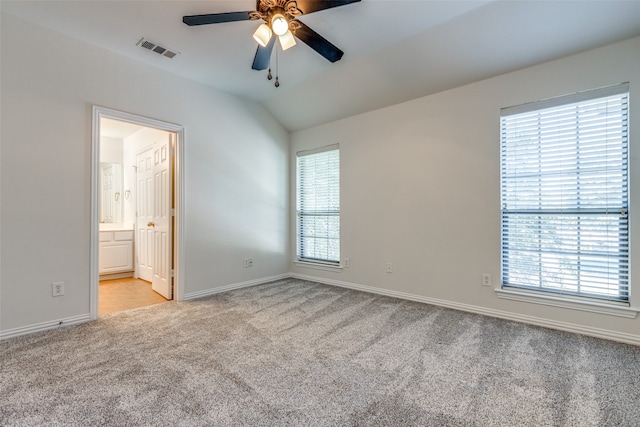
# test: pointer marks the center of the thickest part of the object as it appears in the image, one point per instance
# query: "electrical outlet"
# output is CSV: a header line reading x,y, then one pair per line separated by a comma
x,y
389,267
347,263
57,289
486,279
248,262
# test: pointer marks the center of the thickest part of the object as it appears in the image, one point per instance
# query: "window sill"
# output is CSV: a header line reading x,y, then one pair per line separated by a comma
x,y
611,309
318,266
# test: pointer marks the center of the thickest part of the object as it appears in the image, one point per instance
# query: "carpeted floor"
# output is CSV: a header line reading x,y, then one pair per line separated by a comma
x,y
294,353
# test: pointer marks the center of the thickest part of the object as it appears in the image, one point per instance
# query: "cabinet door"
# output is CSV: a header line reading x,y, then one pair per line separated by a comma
x,y
116,257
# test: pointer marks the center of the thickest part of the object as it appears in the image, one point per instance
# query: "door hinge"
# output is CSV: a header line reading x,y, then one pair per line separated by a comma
x,y
171,273
172,212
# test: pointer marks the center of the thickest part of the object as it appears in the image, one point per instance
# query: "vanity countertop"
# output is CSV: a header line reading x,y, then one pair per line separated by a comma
x,y
115,226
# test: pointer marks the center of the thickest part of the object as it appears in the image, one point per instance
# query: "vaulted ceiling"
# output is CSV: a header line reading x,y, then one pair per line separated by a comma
x,y
395,50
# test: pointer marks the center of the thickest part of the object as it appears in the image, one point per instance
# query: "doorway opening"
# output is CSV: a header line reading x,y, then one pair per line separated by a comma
x,y
136,205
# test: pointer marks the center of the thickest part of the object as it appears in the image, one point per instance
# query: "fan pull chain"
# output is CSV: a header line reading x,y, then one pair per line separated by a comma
x,y
277,83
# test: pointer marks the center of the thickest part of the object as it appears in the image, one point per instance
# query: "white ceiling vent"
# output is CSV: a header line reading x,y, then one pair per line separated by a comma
x,y
149,45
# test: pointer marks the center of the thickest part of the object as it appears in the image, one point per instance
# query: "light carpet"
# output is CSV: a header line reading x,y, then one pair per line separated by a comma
x,y
296,353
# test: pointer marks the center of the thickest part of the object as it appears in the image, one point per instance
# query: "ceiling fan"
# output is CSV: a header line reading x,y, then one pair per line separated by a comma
x,y
280,18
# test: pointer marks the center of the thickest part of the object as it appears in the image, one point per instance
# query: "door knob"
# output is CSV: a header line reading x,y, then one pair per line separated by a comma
x,y
150,224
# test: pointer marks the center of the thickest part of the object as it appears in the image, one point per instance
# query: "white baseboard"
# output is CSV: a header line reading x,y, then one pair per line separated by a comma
x,y
552,324
213,291
86,317
538,321
44,326
112,276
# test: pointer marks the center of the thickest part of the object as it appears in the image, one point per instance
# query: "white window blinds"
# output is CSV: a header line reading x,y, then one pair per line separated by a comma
x,y
564,195
318,205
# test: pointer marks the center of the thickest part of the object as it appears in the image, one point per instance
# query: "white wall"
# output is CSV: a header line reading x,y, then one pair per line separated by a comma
x,y
130,149
420,186
236,178
420,180
111,150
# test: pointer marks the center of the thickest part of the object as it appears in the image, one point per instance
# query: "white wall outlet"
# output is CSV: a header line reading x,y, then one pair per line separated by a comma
x,y
248,262
389,267
57,289
347,263
486,279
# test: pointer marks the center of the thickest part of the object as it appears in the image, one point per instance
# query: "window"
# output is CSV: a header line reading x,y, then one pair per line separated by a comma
x,y
318,205
564,195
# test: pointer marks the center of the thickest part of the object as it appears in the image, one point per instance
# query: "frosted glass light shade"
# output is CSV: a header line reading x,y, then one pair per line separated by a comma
x,y
262,35
279,24
287,40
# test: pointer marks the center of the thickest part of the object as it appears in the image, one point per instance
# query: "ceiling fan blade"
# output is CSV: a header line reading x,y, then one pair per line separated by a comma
x,y
318,43
263,54
215,18
310,6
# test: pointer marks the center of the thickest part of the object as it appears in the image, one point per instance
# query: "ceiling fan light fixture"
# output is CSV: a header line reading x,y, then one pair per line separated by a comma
x,y
287,40
279,24
262,35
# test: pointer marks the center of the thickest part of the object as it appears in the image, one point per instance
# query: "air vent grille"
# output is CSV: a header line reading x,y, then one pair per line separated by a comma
x,y
149,45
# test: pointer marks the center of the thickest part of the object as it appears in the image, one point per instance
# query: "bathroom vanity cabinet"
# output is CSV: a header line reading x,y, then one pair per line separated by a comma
x,y
116,252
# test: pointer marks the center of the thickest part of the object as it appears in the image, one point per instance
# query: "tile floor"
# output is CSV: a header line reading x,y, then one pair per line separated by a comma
x,y
124,294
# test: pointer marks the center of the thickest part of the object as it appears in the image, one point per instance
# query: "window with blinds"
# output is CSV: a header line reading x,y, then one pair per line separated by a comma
x,y
318,205
564,195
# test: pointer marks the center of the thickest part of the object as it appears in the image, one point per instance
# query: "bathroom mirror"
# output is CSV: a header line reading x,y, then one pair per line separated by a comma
x,y
111,192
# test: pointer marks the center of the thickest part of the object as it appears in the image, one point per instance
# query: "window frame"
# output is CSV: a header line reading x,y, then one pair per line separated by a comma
x,y
326,211
552,295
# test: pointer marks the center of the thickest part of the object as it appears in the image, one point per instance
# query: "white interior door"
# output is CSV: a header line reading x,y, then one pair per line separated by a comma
x,y
161,220
144,219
